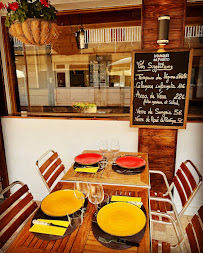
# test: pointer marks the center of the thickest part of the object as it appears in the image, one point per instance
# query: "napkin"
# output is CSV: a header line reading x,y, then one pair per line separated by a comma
x,y
87,169
51,230
126,199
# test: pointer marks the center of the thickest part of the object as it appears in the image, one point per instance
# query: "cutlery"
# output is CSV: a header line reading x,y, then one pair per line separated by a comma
x,y
105,240
47,224
135,203
87,168
124,171
131,202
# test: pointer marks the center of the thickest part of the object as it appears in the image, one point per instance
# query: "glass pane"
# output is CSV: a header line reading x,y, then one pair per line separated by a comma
x,y
49,82
196,86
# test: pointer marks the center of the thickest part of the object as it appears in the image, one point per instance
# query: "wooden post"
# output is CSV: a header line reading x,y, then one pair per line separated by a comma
x,y
158,143
3,111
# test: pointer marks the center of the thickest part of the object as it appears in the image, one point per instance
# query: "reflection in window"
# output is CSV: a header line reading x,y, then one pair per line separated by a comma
x,y
196,87
77,78
60,81
193,39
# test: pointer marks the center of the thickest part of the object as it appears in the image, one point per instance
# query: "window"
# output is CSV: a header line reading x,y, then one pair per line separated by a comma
x,y
55,82
193,39
49,82
77,78
61,79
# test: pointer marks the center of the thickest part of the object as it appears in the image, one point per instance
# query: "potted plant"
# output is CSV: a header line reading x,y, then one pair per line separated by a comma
x,y
32,22
84,107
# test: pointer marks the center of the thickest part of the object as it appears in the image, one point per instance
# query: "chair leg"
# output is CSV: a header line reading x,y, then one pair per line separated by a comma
x,y
166,248
155,246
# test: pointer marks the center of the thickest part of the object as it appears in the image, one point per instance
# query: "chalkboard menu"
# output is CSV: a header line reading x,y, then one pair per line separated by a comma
x,y
160,89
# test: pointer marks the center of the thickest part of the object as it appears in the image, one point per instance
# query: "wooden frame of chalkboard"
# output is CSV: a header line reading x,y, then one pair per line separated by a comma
x,y
160,86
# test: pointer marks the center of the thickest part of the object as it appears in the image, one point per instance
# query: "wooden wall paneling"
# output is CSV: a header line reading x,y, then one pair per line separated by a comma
x,y
151,10
194,9
161,146
158,143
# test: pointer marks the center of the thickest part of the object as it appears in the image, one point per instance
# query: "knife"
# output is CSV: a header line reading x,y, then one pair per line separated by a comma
x,y
47,224
105,240
87,167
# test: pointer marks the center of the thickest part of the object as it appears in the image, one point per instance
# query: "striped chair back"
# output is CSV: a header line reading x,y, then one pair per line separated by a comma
x,y
50,166
15,210
195,232
186,184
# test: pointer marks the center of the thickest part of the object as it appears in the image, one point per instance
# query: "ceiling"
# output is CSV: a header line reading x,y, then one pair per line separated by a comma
x,y
90,4
61,5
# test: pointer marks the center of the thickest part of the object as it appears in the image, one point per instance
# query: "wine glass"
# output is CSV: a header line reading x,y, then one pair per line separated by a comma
x,y
81,187
103,164
115,147
76,218
103,147
96,194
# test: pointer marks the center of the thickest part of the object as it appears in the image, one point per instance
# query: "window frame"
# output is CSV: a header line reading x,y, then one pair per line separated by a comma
x,y
12,80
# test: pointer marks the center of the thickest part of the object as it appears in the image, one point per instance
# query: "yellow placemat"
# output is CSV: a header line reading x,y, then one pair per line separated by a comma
x,y
56,222
88,170
126,199
51,230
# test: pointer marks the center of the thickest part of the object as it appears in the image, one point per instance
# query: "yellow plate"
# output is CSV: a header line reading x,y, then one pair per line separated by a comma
x,y
121,219
61,203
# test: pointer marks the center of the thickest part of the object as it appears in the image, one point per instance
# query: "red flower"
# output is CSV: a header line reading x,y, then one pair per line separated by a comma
x,y
13,6
2,6
45,3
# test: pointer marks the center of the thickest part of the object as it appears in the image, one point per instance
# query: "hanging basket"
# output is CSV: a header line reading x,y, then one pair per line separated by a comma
x,y
33,31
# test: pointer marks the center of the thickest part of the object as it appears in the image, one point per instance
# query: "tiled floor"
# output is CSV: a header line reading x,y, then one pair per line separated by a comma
x,y
166,233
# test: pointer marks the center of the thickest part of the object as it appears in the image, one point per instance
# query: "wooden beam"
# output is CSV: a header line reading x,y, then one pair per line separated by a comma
x,y
3,112
11,70
161,144
102,17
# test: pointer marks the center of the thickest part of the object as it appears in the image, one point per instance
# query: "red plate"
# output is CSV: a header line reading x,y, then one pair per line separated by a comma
x,y
88,158
130,162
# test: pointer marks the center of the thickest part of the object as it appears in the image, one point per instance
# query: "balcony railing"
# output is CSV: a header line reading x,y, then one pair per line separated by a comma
x,y
112,35
124,34
194,31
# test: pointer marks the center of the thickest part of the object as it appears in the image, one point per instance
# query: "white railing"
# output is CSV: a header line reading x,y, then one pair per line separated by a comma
x,y
112,35
194,31
124,34
17,42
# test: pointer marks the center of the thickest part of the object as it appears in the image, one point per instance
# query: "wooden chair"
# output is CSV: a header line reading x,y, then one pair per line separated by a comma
x,y
14,211
187,182
50,166
194,234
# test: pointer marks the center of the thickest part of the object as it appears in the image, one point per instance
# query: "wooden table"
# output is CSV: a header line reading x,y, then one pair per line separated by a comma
x,y
108,176
82,239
